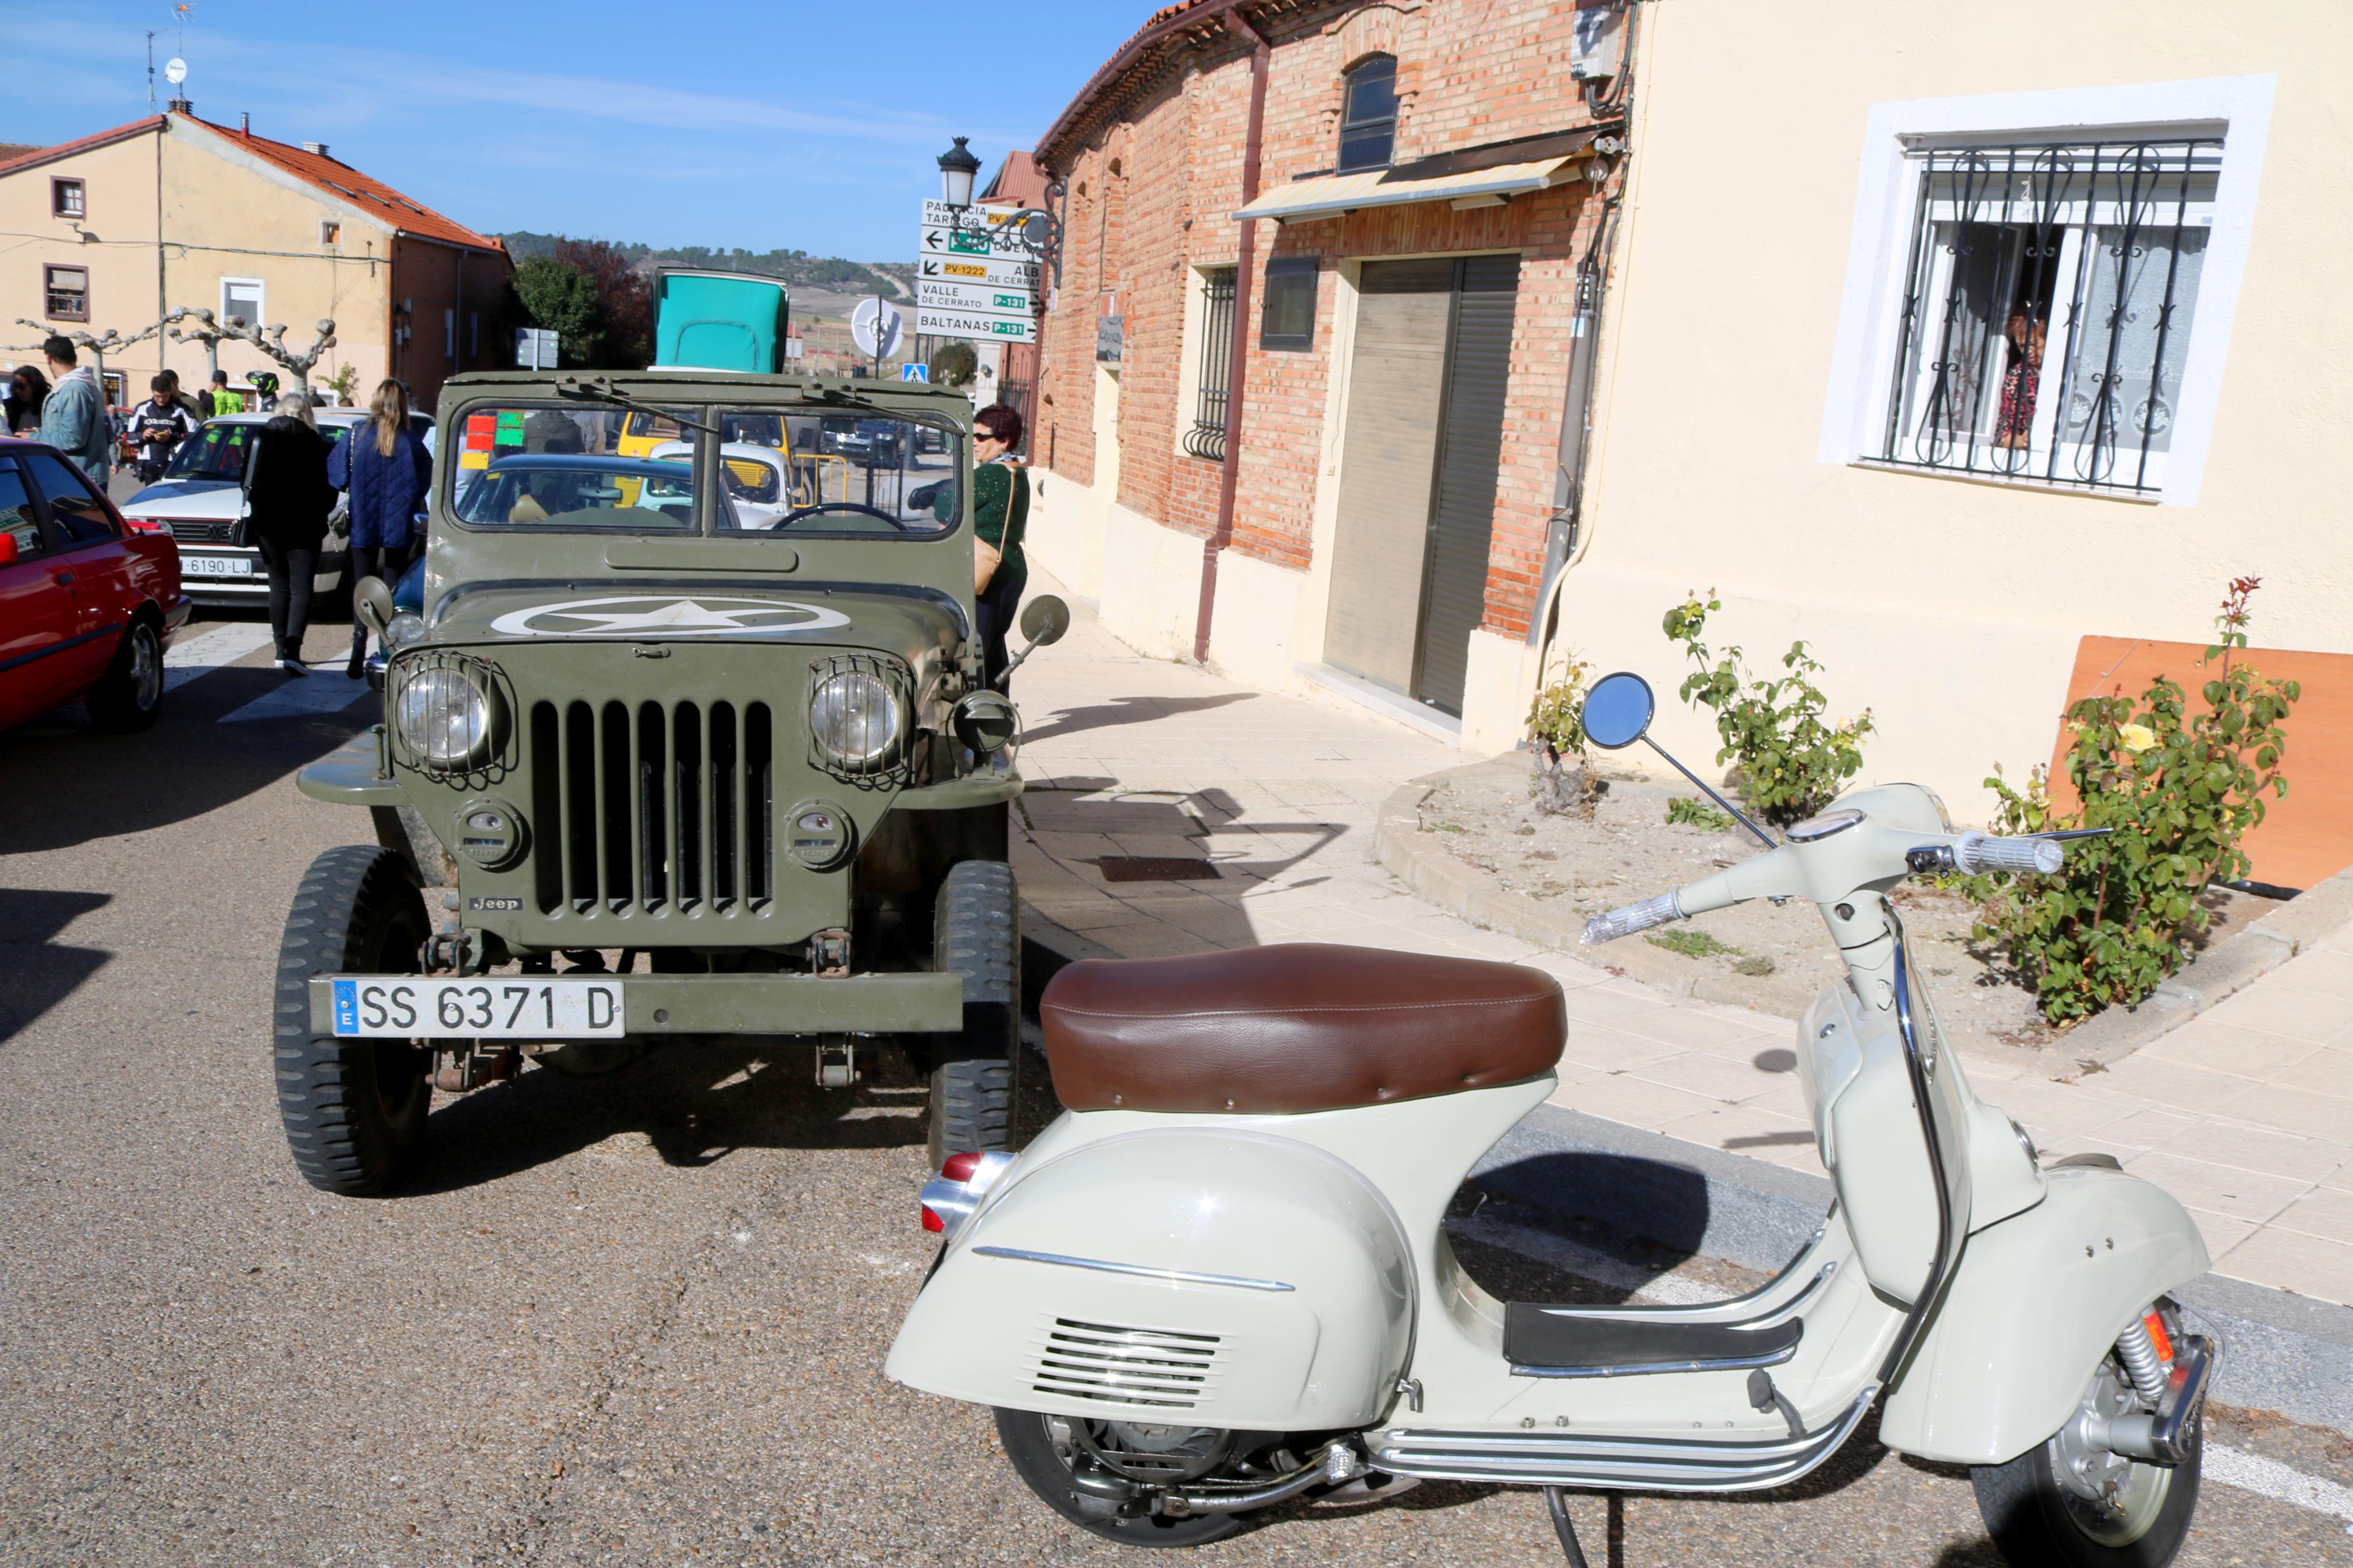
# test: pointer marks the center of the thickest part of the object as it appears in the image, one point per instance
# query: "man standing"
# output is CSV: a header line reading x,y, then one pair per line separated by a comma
x,y
74,418
198,410
217,400
158,427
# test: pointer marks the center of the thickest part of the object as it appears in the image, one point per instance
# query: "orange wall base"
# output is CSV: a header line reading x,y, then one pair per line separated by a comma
x,y
2304,839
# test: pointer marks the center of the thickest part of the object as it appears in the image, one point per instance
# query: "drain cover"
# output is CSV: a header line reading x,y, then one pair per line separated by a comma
x,y
1155,869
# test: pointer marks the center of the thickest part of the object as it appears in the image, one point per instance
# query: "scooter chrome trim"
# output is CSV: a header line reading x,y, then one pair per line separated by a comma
x,y
1615,1464
1705,1312
1176,1276
1946,1259
1709,1363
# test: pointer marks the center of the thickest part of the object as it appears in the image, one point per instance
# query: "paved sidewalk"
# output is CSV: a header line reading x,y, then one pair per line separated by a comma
x,y
1267,804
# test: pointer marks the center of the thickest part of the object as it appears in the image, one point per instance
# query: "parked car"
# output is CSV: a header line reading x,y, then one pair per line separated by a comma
x,y
87,603
197,499
759,478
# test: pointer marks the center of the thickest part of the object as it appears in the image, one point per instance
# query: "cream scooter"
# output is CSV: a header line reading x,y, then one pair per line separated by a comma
x,y
1221,1280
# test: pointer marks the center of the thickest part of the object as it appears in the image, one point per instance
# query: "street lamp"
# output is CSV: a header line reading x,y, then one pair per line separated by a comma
x,y
957,166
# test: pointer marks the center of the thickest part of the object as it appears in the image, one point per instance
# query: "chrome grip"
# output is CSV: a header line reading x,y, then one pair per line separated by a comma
x,y
1626,921
1979,853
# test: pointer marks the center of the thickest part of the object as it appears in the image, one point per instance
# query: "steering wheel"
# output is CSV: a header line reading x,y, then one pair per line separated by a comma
x,y
799,512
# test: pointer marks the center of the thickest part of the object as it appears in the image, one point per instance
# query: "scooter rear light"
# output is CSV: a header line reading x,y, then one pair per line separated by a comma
x,y
932,1221
959,1167
2158,1336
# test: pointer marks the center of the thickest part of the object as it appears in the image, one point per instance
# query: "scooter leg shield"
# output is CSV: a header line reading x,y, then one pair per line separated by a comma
x,y
1271,1292
2037,1302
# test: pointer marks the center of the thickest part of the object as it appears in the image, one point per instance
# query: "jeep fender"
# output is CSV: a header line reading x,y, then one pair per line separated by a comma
x,y
2037,1302
1246,1280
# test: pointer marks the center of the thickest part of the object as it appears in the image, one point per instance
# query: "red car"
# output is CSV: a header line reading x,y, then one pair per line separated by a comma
x,y
87,601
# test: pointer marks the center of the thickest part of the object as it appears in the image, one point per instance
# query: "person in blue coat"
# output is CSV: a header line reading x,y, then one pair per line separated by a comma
x,y
385,470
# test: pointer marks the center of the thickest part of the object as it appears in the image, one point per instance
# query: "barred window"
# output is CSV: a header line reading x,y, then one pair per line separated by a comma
x,y
2047,309
1208,437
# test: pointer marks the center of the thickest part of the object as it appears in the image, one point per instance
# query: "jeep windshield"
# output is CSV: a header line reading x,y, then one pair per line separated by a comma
x,y
795,470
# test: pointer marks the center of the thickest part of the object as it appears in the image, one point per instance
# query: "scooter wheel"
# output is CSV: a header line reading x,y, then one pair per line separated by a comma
x,y
2039,1522
1044,1463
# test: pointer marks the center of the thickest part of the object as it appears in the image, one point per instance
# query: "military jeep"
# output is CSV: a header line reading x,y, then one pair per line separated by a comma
x,y
667,755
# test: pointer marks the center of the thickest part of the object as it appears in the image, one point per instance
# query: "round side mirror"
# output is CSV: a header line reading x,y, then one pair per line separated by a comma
x,y
371,602
1045,618
1618,710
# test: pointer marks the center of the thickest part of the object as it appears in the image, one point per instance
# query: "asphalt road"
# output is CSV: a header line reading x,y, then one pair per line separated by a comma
x,y
639,1320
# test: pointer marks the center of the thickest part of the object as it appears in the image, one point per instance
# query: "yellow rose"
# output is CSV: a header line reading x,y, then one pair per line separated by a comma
x,y
2135,738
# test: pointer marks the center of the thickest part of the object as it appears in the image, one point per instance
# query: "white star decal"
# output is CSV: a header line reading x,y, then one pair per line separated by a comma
x,y
662,616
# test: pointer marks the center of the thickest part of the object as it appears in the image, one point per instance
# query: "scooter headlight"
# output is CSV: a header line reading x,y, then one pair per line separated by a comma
x,y
445,717
405,627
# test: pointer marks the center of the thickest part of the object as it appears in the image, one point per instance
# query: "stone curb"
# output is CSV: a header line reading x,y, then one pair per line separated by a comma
x,y
2229,966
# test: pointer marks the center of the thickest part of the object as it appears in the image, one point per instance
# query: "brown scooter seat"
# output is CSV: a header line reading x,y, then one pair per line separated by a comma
x,y
1295,1027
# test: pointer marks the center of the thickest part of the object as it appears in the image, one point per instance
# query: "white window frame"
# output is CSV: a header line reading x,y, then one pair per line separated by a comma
x,y
260,300
1864,374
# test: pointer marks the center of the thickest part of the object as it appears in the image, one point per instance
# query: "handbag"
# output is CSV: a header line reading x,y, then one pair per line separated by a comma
x,y
240,533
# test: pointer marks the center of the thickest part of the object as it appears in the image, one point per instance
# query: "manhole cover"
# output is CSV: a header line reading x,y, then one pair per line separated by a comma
x,y
1155,869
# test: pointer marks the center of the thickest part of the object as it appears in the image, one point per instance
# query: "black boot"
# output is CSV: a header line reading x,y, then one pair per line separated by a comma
x,y
358,666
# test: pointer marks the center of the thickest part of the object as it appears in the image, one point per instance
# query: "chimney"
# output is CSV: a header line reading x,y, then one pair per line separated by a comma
x,y
180,106
318,147
245,123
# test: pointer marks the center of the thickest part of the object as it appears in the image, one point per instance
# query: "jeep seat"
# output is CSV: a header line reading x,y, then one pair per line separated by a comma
x,y
1293,1027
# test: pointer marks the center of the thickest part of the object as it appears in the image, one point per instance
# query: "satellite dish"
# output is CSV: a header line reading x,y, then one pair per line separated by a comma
x,y
175,70
875,327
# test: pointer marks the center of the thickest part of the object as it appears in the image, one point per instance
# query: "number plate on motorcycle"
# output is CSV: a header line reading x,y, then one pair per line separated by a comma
x,y
494,1007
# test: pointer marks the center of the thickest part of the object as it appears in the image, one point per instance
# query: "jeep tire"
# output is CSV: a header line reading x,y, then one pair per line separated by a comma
x,y
974,1070
353,1109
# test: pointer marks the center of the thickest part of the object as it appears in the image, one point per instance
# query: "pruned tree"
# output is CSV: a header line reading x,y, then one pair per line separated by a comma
x,y
99,346
270,339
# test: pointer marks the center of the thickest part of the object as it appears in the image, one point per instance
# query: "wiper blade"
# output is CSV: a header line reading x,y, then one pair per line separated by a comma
x,y
602,391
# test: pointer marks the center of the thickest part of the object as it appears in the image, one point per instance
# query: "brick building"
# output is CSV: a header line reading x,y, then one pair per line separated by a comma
x,y
1371,490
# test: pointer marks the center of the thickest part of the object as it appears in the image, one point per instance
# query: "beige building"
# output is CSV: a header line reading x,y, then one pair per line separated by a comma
x,y
1945,340
112,231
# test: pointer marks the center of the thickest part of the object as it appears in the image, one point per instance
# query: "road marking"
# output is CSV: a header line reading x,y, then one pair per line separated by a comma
x,y
207,651
2254,1473
326,691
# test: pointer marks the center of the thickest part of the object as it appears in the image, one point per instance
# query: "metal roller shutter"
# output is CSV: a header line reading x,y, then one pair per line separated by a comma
x,y
1470,450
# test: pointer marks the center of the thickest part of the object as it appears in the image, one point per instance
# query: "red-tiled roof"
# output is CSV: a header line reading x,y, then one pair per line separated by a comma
x,y
371,195
38,155
1019,181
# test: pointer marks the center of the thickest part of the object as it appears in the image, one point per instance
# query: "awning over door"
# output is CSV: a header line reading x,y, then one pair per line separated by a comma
x,y
1476,176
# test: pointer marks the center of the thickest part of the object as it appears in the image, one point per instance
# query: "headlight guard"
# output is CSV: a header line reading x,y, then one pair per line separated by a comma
x,y
860,719
451,717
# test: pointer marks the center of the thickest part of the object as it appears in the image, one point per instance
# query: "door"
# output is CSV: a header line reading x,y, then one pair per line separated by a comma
x,y
1423,442
91,555
37,611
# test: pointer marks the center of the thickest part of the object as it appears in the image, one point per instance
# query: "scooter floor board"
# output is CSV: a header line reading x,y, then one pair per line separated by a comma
x,y
1561,1343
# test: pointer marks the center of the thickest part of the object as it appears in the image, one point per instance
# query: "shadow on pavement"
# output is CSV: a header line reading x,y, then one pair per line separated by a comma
x,y
68,785
1129,710
39,972
694,1104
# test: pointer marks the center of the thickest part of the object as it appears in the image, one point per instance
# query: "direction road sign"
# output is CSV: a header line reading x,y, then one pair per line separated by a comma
x,y
876,328
974,242
975,296
981,270
534,348
987,327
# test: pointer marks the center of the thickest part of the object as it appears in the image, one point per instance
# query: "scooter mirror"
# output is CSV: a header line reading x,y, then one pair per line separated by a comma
x,y
1045,618
1618,710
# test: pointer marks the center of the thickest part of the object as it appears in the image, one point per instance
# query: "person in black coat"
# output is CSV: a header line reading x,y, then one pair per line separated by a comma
x,y
287,499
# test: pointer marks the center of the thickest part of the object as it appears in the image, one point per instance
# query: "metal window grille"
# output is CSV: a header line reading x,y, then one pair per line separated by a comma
x,y
1208,437
2047,309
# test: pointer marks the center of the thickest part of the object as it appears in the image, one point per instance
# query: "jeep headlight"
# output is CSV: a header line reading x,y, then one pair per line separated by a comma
x,y
445,717
855,720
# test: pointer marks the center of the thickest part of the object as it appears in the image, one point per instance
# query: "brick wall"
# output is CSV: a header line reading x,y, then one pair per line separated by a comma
x,y
1150,197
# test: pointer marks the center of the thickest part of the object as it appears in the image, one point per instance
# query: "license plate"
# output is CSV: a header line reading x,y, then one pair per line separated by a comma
x,y
495,1007
215,566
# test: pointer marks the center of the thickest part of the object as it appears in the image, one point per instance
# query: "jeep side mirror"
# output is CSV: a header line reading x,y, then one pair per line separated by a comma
x,y
1045,618
371,602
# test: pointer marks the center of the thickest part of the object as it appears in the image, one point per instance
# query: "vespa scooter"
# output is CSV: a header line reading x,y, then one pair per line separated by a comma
x,y
1220,1279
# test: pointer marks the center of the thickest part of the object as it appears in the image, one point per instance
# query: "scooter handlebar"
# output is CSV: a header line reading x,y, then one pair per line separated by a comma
x,y
1626,921
1979,853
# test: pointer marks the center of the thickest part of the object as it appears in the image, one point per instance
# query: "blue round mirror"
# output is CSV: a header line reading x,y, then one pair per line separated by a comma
x,y
1618,709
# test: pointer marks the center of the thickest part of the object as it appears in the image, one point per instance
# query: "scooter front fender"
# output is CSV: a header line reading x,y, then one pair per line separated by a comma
x,y
2036,1302
1216,1278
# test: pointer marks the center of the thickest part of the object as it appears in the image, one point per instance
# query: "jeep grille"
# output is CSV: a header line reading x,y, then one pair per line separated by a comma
x,y
652,805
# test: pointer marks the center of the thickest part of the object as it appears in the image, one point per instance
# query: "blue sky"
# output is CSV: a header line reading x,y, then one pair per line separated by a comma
x,y
811,125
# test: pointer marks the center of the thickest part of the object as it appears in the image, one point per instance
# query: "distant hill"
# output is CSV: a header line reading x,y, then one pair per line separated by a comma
x,y
896,280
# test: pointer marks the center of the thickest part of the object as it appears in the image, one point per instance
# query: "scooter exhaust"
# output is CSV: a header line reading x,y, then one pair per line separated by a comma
x,y
2161,1437
1335,1464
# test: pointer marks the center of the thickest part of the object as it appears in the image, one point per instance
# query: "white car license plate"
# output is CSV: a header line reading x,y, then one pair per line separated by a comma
x,y
495,1007
215,566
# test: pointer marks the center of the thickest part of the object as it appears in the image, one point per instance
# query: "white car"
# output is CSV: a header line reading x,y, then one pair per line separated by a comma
x,y
198,498
759,478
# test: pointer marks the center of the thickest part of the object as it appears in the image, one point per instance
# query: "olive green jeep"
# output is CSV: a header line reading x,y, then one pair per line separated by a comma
x,y
685,735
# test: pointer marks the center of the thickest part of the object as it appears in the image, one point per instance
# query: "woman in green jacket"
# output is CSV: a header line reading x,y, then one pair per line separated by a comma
x,y
1000,514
